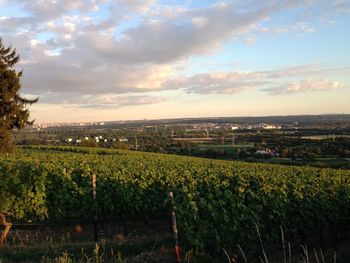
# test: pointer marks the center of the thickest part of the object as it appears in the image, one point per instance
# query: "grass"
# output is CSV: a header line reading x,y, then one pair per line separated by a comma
x,y
86,252
324,137
337,163
225,146
140,244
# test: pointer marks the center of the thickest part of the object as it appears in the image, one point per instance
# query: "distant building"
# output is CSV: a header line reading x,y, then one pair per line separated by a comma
x,y
268,151
270,127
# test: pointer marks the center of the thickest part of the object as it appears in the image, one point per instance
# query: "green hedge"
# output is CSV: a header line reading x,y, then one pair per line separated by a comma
x,y
218,203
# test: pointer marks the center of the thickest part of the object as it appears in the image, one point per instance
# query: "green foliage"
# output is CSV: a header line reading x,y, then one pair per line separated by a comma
x,y
23,194
218,203
13,108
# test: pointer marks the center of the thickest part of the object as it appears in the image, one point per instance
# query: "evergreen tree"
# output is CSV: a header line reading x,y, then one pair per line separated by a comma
x,y
14,113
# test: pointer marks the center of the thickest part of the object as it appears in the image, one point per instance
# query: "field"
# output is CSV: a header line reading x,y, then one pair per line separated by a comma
x,y
338,163
225,146
219,204
324,137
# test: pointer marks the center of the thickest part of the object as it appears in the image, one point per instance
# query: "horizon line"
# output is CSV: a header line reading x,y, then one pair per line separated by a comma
x,y
180,118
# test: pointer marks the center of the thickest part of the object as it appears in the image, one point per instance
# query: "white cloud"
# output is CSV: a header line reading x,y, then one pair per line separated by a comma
x,y
113,101
306,85
342,6
293,79
250,41
138,6
216,83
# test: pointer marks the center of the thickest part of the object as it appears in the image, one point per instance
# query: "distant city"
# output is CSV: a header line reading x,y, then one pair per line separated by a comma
x,y
257,121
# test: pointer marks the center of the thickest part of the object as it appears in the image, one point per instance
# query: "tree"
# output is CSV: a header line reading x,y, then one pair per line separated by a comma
x,y
14,113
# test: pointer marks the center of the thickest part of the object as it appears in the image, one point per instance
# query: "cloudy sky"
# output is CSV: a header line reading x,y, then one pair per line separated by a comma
x,y
100,60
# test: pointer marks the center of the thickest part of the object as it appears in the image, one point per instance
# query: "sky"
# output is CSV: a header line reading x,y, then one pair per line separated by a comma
x,y
110,60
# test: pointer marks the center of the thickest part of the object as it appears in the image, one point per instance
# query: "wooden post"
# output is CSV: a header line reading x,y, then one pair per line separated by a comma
x,y
175,235
136,145
7,225
95,207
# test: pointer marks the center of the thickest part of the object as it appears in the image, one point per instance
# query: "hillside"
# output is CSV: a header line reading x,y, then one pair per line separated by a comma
x,y
218,203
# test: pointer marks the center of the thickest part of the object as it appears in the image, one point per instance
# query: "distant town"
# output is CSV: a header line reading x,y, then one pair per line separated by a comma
x,y
317,140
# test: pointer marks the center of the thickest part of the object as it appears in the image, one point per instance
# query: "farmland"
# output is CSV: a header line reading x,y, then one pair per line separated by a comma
x,y
298,140
219,204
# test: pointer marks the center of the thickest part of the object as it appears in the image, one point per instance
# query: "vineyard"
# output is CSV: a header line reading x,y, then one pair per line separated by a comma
x,y
219,204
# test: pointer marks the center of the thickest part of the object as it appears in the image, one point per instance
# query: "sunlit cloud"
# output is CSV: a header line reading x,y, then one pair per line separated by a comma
x,y
305,86
295,79
115,101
